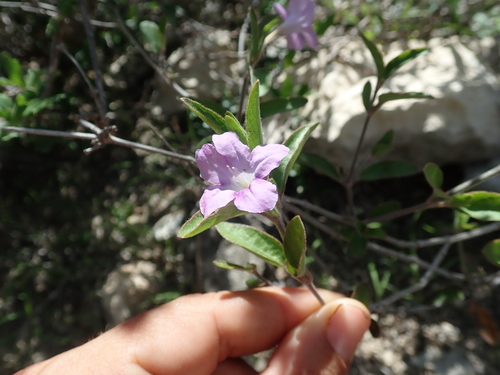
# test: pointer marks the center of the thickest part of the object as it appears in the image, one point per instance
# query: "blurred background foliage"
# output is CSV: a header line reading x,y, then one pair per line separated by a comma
x,y
67,220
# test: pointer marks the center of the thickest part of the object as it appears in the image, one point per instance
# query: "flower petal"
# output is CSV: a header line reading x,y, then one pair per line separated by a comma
x,y
310,37
308,12
234,151
266,158
213,166
297,7
278,8
295,42
214,198
261,196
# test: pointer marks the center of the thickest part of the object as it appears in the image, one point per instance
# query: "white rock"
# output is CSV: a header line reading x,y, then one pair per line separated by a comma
x,y
461,125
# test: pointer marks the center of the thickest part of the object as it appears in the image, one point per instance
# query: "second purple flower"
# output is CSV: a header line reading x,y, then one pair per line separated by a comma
x,y
297,23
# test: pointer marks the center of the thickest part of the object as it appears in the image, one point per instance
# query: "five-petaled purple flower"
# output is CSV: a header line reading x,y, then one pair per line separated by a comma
x,y
297,21
238,175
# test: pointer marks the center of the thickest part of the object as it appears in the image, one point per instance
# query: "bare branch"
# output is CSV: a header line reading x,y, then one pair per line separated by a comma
x,y
331,215
467,185
161,72
109,139
422,283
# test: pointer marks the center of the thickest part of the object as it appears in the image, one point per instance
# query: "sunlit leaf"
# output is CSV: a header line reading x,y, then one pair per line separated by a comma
x,y
257,242
208,116
390,96
12,67
295,143
253,119
377,57
402,59
233,125
481,205
492,252
197,223
295,247
152,35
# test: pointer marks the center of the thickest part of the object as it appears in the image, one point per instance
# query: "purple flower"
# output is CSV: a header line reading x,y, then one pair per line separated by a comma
x,y
297,21
238,175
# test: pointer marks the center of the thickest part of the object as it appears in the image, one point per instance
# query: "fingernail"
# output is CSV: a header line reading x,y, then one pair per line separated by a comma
x,y
345,329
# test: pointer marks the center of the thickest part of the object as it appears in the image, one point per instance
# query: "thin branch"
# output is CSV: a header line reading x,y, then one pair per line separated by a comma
x,y
413,259
161,72
110,139
404,211
331,215
463,236
101,102
467,185
421,284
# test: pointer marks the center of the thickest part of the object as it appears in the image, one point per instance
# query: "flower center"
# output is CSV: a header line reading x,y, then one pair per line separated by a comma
x,y
241,179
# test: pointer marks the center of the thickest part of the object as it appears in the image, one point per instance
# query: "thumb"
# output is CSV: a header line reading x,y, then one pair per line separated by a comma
x,y
324,343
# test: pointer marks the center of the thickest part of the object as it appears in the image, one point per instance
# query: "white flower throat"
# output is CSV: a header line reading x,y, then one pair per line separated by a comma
x,y
241,179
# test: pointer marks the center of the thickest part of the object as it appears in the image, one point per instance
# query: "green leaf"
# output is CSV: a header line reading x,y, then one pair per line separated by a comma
x,y
492,252
357,245
377,57
257,37
367,96
152,35
5,101
481,205
384,209
197,223
433,175
13,69
252,118
280,105
295,247
34,106
388,169
363,294
320,164
210,117
384,144
233,125
295,143
402,59
259,243
232,266
390,96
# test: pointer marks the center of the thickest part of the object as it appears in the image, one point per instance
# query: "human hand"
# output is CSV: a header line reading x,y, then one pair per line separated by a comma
x,y
207,333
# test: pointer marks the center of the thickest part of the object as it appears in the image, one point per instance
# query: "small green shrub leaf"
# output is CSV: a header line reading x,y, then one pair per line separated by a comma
x,y
197,223
295,143
233,125
390,96
252,118
207,115
481,205
377,57
492,252
433,175
388,169
152,35
367,95
383,146
232,266
320,164
295,246
402,59
257,242
280,105
12,67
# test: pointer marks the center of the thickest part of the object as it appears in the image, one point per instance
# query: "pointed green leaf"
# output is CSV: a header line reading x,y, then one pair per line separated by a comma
x,y
295,246
197,223
388,169
357,245
363,294
34,106
232,266
390,96
367,96
481,205
208,116
257,37
433,175
252,118
384,209
254,283
320,164
259,243
492,252
233,125
152,35
402,59
12,67
384,144
295,143
280,105
377,57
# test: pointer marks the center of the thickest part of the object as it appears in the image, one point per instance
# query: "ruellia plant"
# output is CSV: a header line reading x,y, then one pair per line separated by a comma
x,y
245,175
